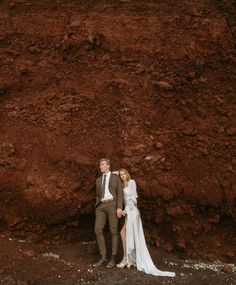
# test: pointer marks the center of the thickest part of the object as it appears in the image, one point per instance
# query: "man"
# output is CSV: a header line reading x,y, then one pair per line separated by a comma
x,y
109,204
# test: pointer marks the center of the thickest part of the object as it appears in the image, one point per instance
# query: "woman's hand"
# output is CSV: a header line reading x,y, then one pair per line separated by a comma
x,y
124,213
116,172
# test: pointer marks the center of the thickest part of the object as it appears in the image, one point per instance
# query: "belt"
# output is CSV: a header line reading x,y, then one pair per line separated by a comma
x,y
107,200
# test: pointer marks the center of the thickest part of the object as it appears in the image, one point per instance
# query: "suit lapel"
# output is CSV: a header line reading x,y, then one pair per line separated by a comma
x,y
110,181
111,184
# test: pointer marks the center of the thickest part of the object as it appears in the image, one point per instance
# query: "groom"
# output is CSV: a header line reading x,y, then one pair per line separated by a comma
x,y
109,204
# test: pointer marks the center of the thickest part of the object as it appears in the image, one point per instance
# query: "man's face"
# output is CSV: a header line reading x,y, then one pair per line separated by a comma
x,y
104,166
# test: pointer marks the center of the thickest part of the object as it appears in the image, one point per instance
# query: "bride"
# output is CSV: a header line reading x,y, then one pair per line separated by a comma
x,y
135,250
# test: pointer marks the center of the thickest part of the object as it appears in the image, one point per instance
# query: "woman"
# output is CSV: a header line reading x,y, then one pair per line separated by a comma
x,y
133,240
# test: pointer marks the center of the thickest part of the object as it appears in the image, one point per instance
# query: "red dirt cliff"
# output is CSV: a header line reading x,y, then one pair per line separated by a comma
x,y
149,84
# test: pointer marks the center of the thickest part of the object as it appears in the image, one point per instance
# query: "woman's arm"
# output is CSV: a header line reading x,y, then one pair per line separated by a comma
x,y
132,199
133,188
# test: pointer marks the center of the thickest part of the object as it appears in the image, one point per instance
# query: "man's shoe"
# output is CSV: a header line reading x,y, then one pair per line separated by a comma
x,y
101,261
111,263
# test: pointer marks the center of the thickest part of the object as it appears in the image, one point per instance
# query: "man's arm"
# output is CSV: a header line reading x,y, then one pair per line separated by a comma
x,y
97,194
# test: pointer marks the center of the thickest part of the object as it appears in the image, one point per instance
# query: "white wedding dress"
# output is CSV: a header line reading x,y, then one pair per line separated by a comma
x,y
137,251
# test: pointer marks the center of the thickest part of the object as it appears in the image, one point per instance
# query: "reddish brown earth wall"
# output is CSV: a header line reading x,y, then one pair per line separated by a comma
x,y
149,84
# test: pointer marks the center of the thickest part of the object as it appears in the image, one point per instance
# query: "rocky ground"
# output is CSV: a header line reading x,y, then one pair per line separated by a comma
x,y
149,84
25,264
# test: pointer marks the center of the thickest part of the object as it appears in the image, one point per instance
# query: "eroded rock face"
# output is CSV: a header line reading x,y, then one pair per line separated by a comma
x,y
149,85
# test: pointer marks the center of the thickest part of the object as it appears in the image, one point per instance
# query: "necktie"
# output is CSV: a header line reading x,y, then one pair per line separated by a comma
x,y
103,186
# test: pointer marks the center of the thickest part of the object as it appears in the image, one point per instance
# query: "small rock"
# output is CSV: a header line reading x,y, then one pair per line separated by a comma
x,y
164,85
96,40
210,256
16,221
202,79
214,219
30,180
231,131
139,68
106,57
226,269
32,238
75,223
30,253
75,24
174,211
153,158
148,124
8,149
220,100
159,145
230,168
167,247
189,131
181,244
149,157
34,50
67,108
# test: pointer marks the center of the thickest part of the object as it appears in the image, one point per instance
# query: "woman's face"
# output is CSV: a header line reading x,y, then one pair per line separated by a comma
x,y
123,176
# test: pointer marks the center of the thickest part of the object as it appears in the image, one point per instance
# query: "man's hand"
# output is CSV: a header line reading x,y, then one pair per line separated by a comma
x,y
119,213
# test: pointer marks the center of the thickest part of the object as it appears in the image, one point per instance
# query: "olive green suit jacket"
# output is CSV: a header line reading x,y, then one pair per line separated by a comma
x,y
115,187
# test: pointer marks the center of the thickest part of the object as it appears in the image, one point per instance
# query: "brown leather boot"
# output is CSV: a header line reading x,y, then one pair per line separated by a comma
x,y
101,261
112,262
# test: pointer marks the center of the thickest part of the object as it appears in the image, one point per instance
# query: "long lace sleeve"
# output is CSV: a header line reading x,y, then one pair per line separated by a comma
x,y
133,188
132,196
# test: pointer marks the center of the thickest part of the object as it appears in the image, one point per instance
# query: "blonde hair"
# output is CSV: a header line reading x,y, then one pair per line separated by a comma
x,y
107,161
126,173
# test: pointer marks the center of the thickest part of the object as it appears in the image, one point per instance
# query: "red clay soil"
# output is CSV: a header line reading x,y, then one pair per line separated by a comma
x,y
150,85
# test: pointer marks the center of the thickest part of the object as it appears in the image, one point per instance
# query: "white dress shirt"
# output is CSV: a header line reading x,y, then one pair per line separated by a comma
x,y
108,194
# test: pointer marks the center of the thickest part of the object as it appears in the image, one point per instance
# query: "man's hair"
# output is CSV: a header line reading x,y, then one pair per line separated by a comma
x,y
105,159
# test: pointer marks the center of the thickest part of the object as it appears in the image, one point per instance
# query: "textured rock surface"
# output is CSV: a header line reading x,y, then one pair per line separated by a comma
x,y
149,84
